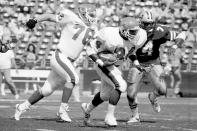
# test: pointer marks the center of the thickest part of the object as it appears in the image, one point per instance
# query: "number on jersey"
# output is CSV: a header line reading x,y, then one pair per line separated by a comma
x,y
88,34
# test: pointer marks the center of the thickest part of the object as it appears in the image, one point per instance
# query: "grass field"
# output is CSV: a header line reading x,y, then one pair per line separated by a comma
x,y
178,114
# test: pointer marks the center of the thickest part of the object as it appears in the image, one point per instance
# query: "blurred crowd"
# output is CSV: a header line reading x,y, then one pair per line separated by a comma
x,y
33,48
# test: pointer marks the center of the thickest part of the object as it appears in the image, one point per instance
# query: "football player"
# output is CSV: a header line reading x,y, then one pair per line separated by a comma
x,y
117,41
77,31
148,59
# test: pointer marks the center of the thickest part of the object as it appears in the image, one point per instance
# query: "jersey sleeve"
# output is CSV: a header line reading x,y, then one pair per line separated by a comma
x,y
97,44
170,35
141,38
65,16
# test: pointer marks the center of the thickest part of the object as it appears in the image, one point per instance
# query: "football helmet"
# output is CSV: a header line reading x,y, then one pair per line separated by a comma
x,y
129,27
147,21
87,13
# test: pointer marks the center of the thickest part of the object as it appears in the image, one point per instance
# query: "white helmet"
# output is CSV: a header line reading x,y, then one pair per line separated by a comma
x,y
147,21
87,13
129,27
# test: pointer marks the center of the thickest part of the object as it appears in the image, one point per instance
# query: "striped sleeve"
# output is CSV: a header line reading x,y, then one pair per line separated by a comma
x,y
172,35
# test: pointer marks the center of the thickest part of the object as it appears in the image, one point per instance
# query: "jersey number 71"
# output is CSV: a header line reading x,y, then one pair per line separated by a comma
x,y
88,34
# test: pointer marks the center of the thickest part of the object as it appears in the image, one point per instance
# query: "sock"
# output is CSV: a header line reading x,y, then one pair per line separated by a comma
x,y
111,109
97,100
135,112
67,92
25,105
114,97
154,95
35,97
76,93
90,107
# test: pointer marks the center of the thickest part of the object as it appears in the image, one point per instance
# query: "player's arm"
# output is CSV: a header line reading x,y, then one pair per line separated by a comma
x,y
31,23
141,39
178,38
92,51
47,17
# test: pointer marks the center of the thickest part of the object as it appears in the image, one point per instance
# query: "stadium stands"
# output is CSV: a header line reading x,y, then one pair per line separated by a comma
x,y
47,36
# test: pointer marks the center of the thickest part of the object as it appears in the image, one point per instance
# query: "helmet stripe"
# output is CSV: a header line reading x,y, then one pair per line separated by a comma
x,y
147,15
151,16
172,35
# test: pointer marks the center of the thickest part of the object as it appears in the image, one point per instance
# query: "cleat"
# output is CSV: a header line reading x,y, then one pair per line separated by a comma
x,y
86,120
134,119
110,121
16,96
176,90
154,103
63,115
18,112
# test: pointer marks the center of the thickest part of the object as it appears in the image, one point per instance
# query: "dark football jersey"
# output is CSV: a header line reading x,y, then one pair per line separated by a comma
x,y
150,50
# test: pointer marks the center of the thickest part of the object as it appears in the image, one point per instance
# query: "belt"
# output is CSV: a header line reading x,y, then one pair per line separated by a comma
x,y
72,60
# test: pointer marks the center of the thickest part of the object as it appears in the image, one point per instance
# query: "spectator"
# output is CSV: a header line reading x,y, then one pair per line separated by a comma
x,y
6,61
109,9
191,37
185,12
21,2
163,13
30,59
121,10
6,33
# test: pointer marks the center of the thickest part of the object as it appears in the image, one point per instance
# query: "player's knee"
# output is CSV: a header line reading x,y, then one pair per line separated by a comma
x,y
70,85
123,86
104,97
162,90
47,89
75,80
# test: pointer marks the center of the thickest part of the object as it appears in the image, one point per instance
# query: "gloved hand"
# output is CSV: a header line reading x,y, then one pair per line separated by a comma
x,y
31,23
4,48
140,68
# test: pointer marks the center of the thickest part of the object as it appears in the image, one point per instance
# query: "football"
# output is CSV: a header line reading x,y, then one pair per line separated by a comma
x,y
107,57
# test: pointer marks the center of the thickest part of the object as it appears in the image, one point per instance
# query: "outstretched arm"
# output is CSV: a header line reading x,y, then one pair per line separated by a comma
x,y
31,23
46,17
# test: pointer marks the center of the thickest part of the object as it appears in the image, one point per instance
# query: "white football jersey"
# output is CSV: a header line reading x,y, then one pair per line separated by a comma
x,y
74,35
110,39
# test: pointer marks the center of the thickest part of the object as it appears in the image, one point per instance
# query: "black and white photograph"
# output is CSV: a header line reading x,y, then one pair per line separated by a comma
x,y
98,65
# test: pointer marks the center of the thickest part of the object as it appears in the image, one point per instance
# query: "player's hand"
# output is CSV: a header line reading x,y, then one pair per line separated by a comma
x,y
4,48
130,53
31,23
140,68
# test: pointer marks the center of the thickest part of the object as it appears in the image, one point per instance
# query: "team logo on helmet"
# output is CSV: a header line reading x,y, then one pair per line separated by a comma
x,y
147,21
87,13
129,27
